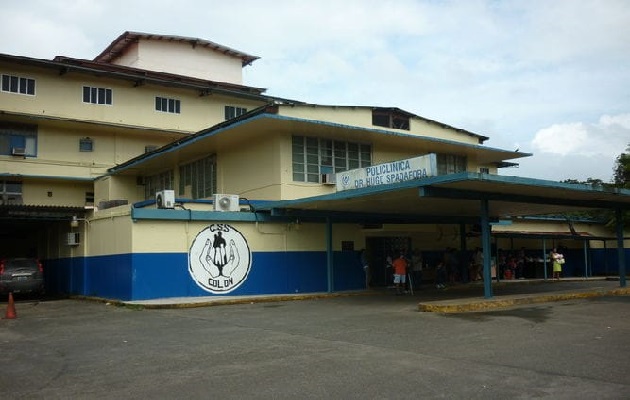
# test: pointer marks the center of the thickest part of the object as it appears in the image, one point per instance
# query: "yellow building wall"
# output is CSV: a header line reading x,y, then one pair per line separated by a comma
x,y
61,96
110,232
119,187
153,236
55,192
251,170
362,116
184,59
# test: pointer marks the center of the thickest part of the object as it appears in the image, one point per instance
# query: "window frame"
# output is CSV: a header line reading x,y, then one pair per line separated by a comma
x,y
168,105
83,145
27,84
232,112
164,180
100,96
201,175
451,163
312,157
18,135
8,196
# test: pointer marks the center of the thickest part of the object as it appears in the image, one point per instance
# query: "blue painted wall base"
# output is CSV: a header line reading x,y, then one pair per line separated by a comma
x,y
144,276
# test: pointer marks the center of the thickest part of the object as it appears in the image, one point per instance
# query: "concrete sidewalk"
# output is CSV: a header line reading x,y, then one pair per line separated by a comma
x,y
457,298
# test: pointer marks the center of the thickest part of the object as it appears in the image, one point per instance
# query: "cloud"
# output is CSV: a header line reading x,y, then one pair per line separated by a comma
x,y
609,137
579,150
548,77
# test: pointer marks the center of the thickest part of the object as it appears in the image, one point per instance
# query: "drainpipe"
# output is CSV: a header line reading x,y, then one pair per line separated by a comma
x,y
329,255
620,249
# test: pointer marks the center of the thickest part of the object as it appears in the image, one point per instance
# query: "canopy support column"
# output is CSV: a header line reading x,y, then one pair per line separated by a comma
x,y
485,245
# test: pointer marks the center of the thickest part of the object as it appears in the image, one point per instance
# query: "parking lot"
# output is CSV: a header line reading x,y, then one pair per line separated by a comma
x,y
333,348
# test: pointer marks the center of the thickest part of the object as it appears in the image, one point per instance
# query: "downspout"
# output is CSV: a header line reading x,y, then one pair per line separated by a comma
x,y
620,249
329,255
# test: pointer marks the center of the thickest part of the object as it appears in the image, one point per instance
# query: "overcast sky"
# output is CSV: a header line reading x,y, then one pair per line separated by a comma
x,y
549,77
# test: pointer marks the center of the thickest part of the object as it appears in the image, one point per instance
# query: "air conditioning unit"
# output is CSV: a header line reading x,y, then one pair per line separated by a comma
x,y
165,199
73,239
226,202
18,151
329,179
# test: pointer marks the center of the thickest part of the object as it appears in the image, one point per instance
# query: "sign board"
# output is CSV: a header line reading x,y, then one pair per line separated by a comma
x,y
387,173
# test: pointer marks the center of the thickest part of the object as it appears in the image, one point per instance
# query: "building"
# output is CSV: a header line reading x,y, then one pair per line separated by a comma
x,y
152,171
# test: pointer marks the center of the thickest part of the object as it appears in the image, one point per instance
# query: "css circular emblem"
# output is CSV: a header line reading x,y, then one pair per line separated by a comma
x,y
219,259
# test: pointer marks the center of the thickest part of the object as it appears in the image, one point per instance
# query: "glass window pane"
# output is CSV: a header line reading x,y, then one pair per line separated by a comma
x,y
14,84
31,87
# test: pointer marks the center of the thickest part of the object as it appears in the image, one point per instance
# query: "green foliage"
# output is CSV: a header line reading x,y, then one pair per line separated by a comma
x,y
621,179
621,175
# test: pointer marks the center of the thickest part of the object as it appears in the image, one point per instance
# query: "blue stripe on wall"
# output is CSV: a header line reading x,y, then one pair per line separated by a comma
x,y
142,276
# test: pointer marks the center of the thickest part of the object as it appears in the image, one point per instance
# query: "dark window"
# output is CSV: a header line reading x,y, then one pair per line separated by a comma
x,y
450,164
163,104
16,84
86,144
10,192
18,139
390,119
233,112
158,182
199,178
96,95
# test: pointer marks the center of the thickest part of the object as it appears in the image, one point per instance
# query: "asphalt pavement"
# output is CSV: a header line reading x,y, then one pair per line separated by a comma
x,y
353,346
454,298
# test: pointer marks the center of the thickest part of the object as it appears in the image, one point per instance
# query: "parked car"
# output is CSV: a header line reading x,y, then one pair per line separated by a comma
x,y
21,275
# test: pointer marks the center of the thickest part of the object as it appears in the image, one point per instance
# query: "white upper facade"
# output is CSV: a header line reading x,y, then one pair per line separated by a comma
x,y
178,55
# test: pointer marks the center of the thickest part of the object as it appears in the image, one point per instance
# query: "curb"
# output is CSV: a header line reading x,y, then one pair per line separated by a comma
x,y
220,302
493,304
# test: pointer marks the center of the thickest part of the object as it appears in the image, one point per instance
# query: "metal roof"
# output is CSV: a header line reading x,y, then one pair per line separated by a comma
x,y
249,126
65,65
453,198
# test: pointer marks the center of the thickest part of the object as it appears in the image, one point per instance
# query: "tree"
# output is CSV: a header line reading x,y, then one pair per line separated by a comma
x,y
622,169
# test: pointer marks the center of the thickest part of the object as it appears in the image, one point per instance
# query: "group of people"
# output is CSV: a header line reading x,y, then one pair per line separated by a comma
x,y
451,268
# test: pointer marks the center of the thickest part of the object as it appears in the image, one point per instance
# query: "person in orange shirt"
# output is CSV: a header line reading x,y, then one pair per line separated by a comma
x,y
400,273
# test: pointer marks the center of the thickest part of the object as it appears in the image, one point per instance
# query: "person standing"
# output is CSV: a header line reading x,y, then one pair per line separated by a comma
x,y
416,268
557,260
400,272
366,267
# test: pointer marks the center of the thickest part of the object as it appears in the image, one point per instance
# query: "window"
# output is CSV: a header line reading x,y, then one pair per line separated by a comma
x,y
97,95
89,198
158,182
86,144
167,105
233,112
18,139
17,84
450,164
390,118
199,178
10,192
313,157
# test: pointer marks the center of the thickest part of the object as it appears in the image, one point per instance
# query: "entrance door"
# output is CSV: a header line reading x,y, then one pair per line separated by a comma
x,y
379,248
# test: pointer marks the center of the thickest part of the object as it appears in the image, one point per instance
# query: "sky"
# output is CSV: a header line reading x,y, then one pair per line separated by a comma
x,y
548,77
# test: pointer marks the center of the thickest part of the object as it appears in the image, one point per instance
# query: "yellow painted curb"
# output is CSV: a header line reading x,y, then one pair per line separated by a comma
x,y
493,304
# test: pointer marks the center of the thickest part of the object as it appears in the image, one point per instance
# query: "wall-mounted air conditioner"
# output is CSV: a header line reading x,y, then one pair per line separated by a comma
x,y
165,199
329,179
18,151
74,239
226,202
